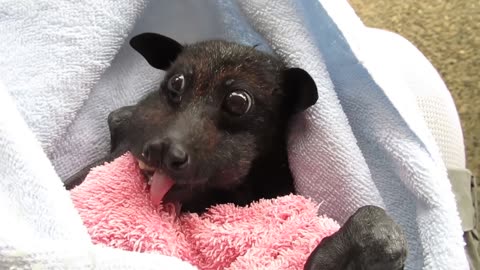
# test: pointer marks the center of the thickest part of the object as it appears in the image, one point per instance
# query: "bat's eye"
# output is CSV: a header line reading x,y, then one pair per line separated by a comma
x,y
238,102
175,87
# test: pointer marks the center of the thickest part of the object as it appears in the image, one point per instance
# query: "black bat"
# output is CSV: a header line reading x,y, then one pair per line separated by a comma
x,y
216,129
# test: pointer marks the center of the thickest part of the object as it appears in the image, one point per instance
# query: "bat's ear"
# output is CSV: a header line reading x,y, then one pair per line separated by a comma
x,y
301,89
118,122
159,51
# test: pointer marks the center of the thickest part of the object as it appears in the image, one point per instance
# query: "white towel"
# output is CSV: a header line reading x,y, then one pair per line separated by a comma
x,y
67,64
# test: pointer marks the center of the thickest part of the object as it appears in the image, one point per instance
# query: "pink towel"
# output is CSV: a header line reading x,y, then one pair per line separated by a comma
x,y
270,234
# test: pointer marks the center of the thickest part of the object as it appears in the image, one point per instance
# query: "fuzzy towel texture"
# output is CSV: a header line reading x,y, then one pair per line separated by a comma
x,y
67,64
270,234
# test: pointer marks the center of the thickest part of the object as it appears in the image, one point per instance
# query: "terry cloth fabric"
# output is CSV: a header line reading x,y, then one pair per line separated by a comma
x,y
270,234
66,64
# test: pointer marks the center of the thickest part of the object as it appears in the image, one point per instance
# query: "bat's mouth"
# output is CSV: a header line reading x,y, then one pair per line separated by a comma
x,y
159,182
147,170
163,188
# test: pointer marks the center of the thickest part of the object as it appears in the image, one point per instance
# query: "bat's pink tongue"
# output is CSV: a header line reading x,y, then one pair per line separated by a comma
x,y
160,185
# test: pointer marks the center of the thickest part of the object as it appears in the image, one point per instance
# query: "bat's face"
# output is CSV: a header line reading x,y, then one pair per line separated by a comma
x,y
220,107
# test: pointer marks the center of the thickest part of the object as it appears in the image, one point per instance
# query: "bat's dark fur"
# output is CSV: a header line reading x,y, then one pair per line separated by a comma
x,y
217,126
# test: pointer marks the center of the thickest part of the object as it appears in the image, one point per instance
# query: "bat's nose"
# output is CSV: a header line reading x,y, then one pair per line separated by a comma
x,y
168,153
